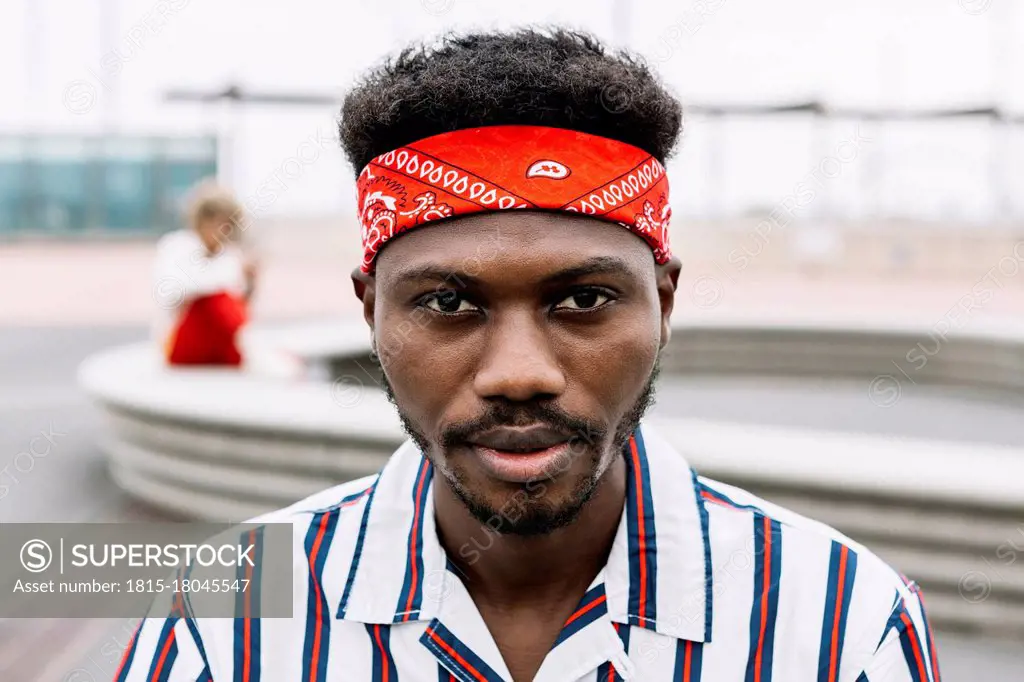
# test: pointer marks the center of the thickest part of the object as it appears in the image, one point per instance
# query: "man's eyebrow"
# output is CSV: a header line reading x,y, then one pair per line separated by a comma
x,y
598,265
433,273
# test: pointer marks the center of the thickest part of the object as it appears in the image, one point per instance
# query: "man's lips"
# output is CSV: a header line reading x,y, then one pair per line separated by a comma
x,y
519,467
520,439
521,455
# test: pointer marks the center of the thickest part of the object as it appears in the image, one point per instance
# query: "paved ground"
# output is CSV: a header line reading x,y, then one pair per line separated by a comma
x,y
70,483
39,396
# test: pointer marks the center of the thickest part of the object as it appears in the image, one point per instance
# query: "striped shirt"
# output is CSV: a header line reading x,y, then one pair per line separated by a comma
x,y
704,583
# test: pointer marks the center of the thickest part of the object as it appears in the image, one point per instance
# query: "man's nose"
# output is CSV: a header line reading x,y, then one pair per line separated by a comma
x,y
519,363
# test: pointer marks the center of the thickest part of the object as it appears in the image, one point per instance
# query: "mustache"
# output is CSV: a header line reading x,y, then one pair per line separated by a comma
x,y
503,414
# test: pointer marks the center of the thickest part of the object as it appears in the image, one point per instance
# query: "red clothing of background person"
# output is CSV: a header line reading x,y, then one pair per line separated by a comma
x,y
205,335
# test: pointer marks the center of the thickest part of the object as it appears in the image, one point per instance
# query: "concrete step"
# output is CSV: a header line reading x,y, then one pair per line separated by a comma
x,y
882,520
971,576
990,618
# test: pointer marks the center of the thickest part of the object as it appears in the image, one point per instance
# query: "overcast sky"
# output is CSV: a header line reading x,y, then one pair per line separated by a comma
x,y
73,65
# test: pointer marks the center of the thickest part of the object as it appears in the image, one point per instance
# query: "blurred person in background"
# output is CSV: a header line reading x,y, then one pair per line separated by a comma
x,y
203,283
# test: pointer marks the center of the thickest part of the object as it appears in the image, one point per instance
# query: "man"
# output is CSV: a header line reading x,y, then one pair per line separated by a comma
x,y
203,283
532,528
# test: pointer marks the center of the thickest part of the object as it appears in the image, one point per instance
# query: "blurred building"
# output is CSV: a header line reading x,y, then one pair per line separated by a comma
x,y
66,185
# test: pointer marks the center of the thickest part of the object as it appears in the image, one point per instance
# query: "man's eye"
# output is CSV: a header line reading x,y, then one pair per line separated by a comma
x,y
588,299
448,302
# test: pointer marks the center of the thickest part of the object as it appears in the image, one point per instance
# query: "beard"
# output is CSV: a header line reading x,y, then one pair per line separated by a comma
x,y
537,515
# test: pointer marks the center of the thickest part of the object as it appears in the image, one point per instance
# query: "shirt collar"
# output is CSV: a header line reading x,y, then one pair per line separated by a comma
x,y
658,574
398,570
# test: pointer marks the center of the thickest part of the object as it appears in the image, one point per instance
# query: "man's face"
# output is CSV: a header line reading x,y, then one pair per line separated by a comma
x,y
520,349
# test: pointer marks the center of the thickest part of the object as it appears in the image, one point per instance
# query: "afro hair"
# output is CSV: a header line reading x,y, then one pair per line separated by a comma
x,y
546,77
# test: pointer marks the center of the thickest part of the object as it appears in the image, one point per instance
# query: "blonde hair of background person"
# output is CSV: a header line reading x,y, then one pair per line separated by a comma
x,y
217,216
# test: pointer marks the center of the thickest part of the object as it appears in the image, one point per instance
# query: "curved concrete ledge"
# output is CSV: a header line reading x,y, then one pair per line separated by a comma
x,y
226,446
989,357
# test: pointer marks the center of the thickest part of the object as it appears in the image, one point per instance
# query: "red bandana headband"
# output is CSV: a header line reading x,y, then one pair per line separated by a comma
x,y
497,168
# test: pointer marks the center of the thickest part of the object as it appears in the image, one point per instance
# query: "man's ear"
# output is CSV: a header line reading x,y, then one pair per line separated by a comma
x,y
667,280
365,287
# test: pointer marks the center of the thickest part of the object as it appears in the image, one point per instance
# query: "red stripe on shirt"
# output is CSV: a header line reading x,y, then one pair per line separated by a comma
x,y
843,555
455,655
319,623
640,528
912,633
163,657
766,588
584,609
412,543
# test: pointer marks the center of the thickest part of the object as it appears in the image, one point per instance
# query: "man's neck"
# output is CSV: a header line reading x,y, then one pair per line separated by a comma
x,y
519,571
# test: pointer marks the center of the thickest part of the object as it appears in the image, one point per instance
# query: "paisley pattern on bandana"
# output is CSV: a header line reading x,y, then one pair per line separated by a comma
x,y
499,168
